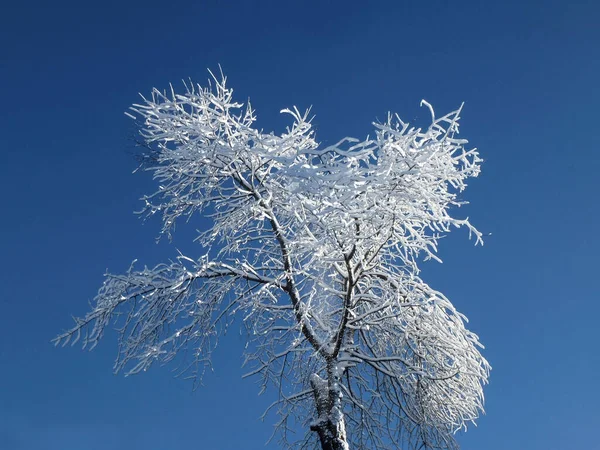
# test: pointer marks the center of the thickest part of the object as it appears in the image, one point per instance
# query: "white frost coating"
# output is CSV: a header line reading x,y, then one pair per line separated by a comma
x,y
319,249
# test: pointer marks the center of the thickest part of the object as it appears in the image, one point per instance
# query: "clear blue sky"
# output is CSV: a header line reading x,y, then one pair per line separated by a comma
x,y
528,73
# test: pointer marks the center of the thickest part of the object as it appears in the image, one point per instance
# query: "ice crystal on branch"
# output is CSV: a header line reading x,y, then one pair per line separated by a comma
x,y
319,249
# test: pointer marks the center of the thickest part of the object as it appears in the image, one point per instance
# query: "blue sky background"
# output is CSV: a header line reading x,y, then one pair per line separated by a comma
x,y
528,73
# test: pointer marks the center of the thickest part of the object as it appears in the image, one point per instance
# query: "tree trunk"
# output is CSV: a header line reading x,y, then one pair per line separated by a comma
x,y
330,424
332,437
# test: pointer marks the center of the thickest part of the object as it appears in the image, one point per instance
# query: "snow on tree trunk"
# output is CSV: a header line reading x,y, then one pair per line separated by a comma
x,y
329,424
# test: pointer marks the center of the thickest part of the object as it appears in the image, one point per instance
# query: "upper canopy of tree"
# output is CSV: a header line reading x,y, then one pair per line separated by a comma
x,y
319,248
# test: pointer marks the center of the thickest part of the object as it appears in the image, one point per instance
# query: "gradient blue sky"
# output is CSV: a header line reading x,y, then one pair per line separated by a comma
x,y
528,73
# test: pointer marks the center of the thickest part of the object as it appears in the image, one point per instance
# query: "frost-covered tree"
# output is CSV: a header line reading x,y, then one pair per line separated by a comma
x,y
318,248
